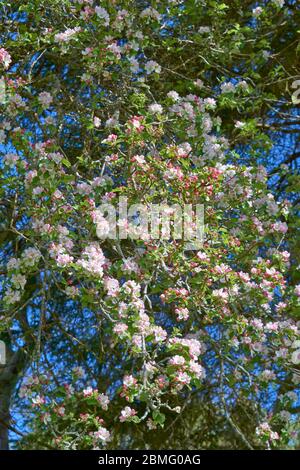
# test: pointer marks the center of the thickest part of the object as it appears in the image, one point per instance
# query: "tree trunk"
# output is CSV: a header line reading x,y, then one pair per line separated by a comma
x,y
4,417
9,374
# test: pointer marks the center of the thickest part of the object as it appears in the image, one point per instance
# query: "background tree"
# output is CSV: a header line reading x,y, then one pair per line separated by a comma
x,y
109,69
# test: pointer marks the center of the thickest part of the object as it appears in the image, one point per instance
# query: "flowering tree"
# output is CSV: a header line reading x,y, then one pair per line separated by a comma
x,y
120,333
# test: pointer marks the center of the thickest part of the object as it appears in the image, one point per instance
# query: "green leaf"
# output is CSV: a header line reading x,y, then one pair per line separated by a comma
x,y
66,162
159,417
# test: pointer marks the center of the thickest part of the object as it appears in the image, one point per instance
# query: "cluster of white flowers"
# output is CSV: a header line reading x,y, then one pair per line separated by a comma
x,y
150,12
264,430
67,35
256,12
102,14
11,296
10,159
93,259
45,99
28,259
278,3
173,95
134,65
155,108
115,49
152,66
229,87
204,29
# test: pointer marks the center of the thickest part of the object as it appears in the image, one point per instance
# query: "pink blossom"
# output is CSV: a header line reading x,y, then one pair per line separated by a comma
x,y
136,123
97,122
87,392
280,227
129,265
112,286
63,259
197,369
102,434
202,256
132,288
5,58
160,334
38,400
120,329
93,259
182,313
127,413
103,400
183,378
129,381
177,360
